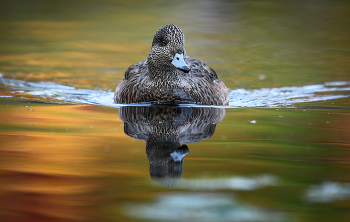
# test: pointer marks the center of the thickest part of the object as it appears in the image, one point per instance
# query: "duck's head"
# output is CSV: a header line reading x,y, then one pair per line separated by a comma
x,y
168,50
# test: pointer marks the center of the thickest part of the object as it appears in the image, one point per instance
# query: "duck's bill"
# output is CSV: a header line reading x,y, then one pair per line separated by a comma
x,y
180,63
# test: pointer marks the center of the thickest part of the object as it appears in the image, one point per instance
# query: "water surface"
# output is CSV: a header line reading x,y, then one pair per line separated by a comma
x,y
278,152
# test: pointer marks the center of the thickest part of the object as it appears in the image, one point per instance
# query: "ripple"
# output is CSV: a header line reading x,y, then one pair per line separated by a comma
x,y
264,97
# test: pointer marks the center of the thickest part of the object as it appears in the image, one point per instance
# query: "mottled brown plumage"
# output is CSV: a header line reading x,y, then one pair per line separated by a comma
x,y
158,80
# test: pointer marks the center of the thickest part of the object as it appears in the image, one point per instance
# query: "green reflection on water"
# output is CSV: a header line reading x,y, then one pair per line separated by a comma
x,y
250,44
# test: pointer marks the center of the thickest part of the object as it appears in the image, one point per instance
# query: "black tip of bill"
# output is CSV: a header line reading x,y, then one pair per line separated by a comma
x,y
180,63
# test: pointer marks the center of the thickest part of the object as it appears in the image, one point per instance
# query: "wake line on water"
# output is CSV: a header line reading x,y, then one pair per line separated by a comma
x,y
265,97
287,96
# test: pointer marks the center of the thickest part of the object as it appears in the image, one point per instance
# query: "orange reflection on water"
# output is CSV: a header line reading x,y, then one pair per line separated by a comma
x,y
54,161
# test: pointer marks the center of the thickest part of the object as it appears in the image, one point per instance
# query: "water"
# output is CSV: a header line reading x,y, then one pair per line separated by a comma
x,y
265,97
278,152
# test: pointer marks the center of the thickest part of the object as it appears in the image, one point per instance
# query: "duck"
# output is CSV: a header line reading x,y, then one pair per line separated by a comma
x,y
169,76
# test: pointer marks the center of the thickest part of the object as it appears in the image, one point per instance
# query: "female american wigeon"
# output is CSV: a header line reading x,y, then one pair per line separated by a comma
x,y
168,76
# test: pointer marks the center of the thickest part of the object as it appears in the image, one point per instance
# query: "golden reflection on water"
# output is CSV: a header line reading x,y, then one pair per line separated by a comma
x,y
75,163
54,161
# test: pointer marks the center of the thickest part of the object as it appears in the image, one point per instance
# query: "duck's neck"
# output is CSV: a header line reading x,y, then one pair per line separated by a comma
x,y
166,75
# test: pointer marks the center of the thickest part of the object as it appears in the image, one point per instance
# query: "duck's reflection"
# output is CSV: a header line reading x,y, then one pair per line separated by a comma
x,y
164,128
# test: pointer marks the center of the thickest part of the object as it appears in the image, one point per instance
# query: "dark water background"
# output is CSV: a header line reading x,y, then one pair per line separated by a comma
x,y
280,152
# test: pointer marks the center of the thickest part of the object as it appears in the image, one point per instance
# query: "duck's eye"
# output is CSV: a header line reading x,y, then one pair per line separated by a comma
x,y
164,43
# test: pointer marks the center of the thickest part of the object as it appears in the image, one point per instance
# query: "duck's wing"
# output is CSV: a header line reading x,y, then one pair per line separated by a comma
x,y
136,70
128,89
200,69
205,85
